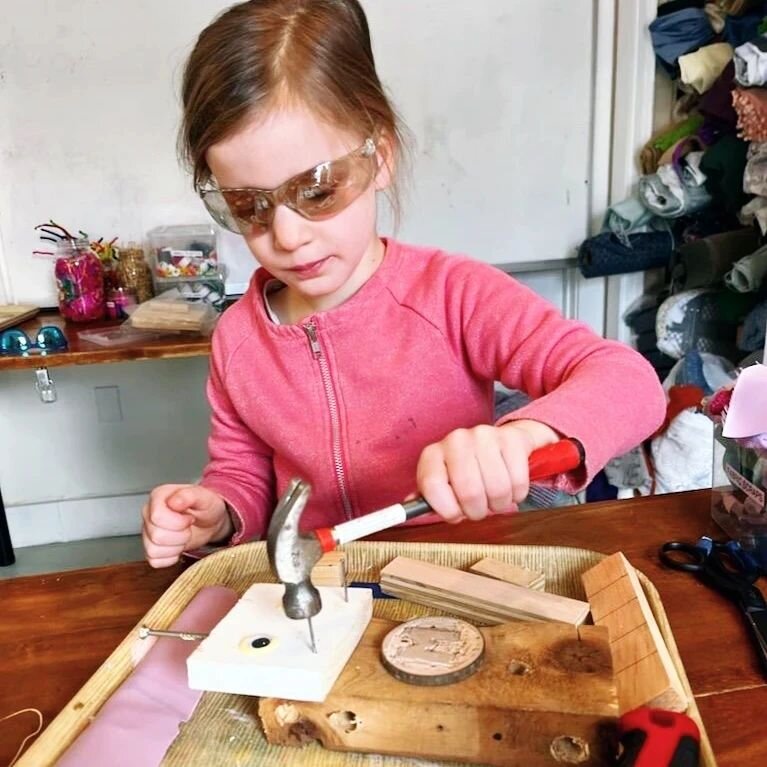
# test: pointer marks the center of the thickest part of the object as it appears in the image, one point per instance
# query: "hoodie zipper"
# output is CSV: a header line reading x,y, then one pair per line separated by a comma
x,y
335,421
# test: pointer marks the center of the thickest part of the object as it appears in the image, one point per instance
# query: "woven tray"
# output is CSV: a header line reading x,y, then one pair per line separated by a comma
x,y
224,729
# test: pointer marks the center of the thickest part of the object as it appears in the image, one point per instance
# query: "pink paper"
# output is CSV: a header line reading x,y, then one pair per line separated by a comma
x,y
747,411
135,727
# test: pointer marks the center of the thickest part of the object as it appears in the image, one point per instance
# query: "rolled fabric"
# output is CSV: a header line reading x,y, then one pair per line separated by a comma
x,y
755,211
666,196
747,273
751,107
627,217
723,165
703,263
665,138
716,103
605,254
750,61
701,68
675,34
752,337
739,30
755,172
715,15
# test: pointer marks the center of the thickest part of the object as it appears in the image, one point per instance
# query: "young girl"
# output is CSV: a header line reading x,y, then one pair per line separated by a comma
x,y
361,364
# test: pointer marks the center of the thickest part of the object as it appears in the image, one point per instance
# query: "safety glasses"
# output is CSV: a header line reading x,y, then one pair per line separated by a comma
x,y
15,342
316,194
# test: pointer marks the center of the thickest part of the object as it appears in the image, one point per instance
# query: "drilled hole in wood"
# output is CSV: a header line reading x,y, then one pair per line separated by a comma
x,y
567,749
497,736
344,720
519,668
286,713
440,727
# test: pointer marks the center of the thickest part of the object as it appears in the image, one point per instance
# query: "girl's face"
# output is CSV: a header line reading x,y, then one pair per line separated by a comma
x,y
322,263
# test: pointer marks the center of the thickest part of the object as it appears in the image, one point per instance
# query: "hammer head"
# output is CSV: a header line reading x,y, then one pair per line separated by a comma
x,y
292,554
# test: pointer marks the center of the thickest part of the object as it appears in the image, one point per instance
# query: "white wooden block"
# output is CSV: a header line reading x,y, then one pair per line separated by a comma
x,y
226,661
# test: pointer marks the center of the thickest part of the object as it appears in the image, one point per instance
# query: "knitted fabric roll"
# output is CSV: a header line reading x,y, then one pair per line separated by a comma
x,y
605,254
751,107
701,68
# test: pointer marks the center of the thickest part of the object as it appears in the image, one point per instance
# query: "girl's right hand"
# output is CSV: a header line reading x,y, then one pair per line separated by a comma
x,y
181,518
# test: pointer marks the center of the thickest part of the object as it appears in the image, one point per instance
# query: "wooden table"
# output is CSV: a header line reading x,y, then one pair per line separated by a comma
x,y
81,352
57,629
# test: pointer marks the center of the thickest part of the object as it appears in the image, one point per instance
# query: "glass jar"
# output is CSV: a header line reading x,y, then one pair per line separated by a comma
x,y
80,281
134,272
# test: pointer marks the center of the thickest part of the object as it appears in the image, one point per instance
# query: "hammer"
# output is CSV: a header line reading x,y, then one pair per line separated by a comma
x,y
293,554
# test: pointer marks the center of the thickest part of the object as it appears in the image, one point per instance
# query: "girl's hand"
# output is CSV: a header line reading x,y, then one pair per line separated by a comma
x,y
181,518
475,472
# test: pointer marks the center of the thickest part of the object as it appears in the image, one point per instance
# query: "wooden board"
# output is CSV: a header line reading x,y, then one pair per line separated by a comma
x,y
329,571
544,689
503,571
232,659
645,672
14,314
429,584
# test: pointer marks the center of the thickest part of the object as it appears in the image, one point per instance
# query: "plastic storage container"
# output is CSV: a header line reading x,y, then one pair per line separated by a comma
x,y
80,281
739,494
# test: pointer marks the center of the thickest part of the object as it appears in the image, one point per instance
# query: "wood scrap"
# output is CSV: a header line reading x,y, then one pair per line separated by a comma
x,y
645,672
329,571
14,314
544,695
469,595
503,571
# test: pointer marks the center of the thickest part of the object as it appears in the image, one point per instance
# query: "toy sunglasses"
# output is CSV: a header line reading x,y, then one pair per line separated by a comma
x,y
15,342
315,194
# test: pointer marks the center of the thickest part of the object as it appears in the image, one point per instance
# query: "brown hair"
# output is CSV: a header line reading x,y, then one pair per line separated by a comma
x,y
263,52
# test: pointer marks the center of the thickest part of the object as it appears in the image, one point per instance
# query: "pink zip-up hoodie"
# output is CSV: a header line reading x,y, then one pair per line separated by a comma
x,y
348,398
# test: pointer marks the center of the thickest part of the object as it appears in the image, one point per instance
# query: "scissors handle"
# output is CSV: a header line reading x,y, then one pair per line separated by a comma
x,y
692,560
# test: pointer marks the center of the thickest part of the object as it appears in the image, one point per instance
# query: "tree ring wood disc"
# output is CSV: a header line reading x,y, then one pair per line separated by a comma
x,y
433,650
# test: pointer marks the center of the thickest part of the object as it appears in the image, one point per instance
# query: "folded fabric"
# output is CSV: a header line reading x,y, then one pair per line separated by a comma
x,y
676,153
747,274
703,263
723,165
677,33
142,717
755,172
715,104
627,217
740,7
755,211
701,68
665,139
740,29
666,196
703,319
752,336
715,15
751,107
605,254
750,60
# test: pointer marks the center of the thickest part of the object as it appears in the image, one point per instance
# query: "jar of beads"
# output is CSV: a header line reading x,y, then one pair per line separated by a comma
x,y
134,272
80,281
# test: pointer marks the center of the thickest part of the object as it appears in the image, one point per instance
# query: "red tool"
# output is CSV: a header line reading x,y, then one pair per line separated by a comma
x,y
559,457
653,737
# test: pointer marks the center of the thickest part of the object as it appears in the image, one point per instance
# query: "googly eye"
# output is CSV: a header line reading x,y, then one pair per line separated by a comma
x,y
257,644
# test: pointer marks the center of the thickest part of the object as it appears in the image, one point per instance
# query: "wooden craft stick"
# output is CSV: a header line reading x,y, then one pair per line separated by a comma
x,y
503,571
645,672
424,581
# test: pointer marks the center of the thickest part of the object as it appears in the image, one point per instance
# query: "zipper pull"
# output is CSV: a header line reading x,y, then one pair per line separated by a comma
x,y
311,331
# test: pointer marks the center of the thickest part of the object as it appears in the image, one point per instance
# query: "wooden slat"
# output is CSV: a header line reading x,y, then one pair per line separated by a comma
x,y
478,591
502,571
645,673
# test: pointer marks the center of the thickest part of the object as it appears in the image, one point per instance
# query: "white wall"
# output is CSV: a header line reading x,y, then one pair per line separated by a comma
x,y
88,117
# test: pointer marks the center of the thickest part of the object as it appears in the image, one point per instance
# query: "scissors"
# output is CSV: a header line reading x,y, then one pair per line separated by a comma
x,y
733,572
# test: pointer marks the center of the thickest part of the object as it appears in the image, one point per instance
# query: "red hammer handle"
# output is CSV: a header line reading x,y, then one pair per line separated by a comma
x,y
557,458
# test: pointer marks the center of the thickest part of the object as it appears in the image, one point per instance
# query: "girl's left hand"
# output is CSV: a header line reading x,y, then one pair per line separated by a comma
x,y
475,472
